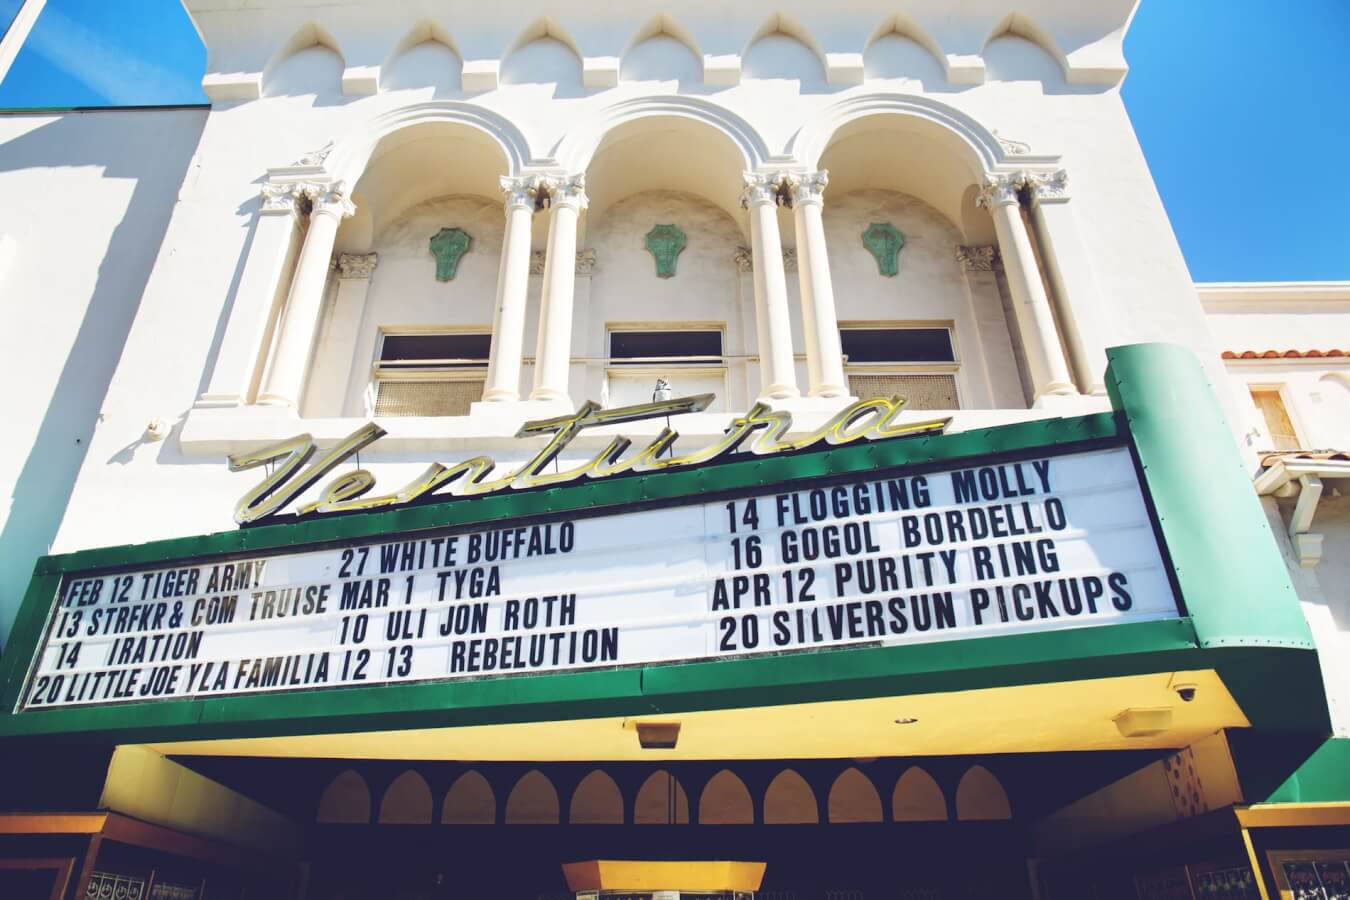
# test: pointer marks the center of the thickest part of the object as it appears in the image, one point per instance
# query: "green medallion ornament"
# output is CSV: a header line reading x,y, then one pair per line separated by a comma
x,y
884,241
449,246
665,243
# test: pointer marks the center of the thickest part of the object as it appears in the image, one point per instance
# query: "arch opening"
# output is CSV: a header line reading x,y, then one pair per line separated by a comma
x,y
789,800
533,801
725,801
345,801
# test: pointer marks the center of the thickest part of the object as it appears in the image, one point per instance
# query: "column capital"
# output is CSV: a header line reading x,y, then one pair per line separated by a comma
x,y
1048,187
565,190
760,188
522,191
357,265
1000,189
744,258
977,258
585,262
330,199
806,187
282,197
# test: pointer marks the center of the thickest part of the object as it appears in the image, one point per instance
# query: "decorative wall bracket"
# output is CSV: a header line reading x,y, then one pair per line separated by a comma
x,y
666,243
883,240
449,246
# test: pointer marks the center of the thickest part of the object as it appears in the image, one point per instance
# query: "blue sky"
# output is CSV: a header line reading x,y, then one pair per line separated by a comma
x,y
1240,107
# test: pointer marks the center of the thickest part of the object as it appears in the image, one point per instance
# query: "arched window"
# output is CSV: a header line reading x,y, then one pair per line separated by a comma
x,y
790,801
853,798
725,801
407,801
533,801
346,801
470,801
596,801
917,798
979,796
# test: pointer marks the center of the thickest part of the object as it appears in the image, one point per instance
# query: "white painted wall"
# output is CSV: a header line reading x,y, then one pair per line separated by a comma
x,y
87,197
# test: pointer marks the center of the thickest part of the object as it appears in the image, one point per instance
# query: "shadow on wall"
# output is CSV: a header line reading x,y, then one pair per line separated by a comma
x,y
155,157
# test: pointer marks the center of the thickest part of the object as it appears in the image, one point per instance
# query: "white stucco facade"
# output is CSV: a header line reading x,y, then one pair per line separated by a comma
x,y
226,274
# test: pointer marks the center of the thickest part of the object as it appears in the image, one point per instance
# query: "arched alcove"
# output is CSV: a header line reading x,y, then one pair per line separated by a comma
x,y
661,801
309,63
1022,51
661,57
345,801
533,801
662,50
544,53
783,49
896,55
407,801
789,800
918,798
725,801
430,64
981,797
470,801
1011,57
596,801
854,798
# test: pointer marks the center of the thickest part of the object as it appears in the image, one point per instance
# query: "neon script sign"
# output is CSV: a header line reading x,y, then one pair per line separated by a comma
x,y
870,419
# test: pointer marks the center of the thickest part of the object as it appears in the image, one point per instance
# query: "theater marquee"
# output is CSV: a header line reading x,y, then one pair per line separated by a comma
x,y
1047,542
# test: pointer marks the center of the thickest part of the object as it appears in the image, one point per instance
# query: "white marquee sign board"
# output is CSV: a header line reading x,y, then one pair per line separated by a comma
x,y
1046,543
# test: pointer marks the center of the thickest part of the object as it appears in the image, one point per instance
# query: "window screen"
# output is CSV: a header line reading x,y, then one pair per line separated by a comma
x,y
641,347
889,345
434,351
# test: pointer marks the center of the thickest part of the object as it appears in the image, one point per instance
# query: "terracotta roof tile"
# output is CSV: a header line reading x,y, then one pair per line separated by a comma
x,y
1284,354
1269,459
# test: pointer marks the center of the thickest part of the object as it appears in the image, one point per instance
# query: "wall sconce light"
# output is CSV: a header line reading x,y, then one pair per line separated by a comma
x,y
658,735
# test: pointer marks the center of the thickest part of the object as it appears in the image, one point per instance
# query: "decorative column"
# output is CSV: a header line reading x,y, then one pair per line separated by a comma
x,y
1080,304
513,281
824,355
778,378
267,256
300,319
553,356
1031,307
333,372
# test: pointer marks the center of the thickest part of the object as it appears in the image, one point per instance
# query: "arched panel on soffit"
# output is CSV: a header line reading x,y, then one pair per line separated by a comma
x,y
725,801
407,801
661,801
1019,24
352,153
789,800
311,34
597,800
980,797
853,798
470,801
918,798
533,801
976,146
345,801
